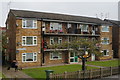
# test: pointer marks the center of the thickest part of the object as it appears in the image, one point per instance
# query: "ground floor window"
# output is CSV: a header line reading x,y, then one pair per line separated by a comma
x,y
54,56
105,52
29,57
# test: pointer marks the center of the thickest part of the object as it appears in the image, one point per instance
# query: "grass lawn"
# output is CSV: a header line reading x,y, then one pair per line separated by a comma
x,y
1,75
104,63
40,72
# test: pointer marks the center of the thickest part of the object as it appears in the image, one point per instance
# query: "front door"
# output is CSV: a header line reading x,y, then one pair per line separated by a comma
x,y
73,57
93,57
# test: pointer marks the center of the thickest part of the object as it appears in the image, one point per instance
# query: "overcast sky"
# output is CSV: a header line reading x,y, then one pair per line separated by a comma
x,y
98,9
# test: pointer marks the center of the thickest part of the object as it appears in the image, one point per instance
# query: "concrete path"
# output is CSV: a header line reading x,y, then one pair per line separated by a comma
x,y
12,74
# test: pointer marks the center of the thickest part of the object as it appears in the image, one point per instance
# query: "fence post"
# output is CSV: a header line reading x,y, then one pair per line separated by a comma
x,y
119,69
90,74
79,74
65,74
111,71
101,72
51,76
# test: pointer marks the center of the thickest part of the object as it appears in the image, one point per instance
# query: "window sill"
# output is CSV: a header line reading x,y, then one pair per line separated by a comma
x,y
105,44
28,61
104,31
29,28
29,45
55,59
106,55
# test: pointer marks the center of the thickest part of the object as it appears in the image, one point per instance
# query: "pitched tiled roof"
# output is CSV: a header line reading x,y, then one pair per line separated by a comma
x,y
55,16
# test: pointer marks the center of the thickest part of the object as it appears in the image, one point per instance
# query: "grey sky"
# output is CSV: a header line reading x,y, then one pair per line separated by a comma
x,y
74,8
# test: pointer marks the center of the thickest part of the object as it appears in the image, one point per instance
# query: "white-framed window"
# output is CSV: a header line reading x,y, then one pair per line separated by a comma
x,y
29,23
84,28
105,40
29,57
7,39
29,40
55,26
43,24
69,25
55,56
105,52
60,26
51,40
57,40
105,29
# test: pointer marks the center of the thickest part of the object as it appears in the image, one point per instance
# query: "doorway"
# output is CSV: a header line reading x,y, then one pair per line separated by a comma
x,y
93,57
73,57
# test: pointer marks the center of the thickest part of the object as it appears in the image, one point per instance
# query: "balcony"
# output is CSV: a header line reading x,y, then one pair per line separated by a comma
x,y
72,30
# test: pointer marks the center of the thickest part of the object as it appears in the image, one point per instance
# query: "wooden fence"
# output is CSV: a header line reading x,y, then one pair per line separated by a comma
x,y
88,74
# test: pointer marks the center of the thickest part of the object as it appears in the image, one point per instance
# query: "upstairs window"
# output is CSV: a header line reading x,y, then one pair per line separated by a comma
x,y
69,25
59,40
29,23
55,26
51,40
84,28
55,40
29,40
105,40
105,29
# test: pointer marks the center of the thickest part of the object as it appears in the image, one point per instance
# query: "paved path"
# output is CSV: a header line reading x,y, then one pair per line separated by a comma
x,y
93,65
12,74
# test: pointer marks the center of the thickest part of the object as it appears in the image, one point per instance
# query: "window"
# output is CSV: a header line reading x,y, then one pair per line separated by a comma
x,y
105,28
29,23
7,39
84,28
55,26
105,40
29,40
51,40
7,26
29,57
57,40
54,56
69,25
60,26
105,52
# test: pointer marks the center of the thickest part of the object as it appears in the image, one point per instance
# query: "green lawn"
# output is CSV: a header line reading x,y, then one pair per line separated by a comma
x,y
40,72
1,75
104,63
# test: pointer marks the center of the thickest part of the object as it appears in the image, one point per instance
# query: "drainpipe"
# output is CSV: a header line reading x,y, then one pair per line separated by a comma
x,y
42,43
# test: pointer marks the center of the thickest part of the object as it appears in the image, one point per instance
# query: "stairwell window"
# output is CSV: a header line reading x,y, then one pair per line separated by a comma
x,y
29,23
105,40
29,40
55,40
55,56
29,57
59,40
51,40
105,29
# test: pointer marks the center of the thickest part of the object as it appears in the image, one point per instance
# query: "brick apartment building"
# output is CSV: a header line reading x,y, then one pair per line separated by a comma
x,y
25,37
115,38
